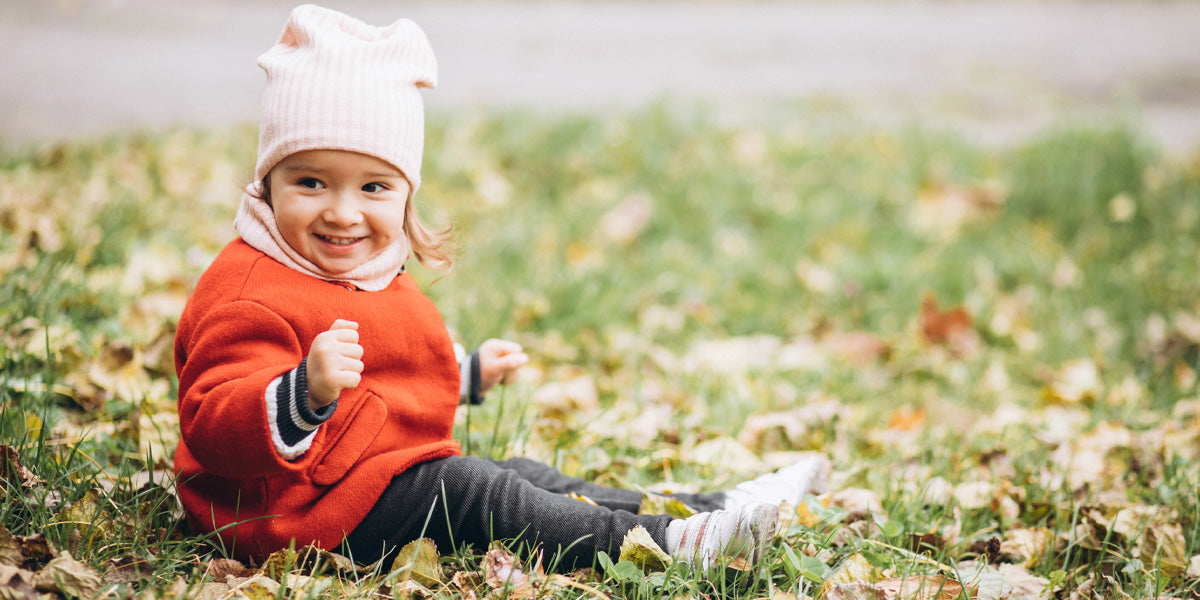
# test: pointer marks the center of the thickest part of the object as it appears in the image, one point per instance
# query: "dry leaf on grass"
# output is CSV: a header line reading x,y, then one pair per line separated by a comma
x,y
920,587
639,548
16,584
502,570
855,570
1001,582
419,561
67,576
15,473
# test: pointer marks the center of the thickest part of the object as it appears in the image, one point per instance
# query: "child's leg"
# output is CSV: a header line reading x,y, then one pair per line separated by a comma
x,y
484,502
550,479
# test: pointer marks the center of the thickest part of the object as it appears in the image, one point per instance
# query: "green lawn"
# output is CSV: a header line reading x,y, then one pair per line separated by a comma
x,y
998,348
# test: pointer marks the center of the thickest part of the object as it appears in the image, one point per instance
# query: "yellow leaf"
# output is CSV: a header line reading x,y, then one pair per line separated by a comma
x,y
655,504
420,562
89,516
639,548
856,568
806,516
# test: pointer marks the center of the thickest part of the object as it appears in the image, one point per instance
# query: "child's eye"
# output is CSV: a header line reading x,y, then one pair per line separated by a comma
x,y
310,183
374,188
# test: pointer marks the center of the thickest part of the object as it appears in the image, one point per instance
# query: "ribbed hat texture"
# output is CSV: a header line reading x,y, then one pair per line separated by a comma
x,y
334,82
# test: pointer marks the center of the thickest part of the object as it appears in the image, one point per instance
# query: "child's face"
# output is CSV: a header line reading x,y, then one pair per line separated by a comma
x,y
337,208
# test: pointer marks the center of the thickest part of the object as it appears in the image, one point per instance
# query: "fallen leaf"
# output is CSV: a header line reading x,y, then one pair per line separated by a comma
x,y
127,569
656,504
67,576
727,453
502,570
220,568
952,328
89,517
640,549
419,561
1027,546
16,583
409,589
1002,582
920,587
942,209
1075,382
10,549
15,473
1155,536
854,590
859,503
467,582
855,569
259,587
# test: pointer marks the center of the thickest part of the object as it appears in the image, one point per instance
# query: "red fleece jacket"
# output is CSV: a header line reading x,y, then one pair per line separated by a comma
x,y
250,320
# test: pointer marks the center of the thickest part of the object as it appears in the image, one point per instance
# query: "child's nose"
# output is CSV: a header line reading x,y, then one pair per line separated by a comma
x,y
343,212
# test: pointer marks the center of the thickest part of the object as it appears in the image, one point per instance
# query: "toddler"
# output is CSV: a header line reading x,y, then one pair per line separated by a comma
x,y
318,385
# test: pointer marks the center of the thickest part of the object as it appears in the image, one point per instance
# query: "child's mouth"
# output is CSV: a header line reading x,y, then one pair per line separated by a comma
x,y
338,241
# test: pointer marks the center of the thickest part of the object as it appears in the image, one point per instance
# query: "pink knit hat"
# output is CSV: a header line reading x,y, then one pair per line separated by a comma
x,y
334,82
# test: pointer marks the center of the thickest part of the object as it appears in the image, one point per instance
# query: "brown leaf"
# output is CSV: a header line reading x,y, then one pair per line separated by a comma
x,y
854,590
10,549
69,577
466,582
36,550
127,569
220,568
16,583
502,570
12,471
926,587
952,328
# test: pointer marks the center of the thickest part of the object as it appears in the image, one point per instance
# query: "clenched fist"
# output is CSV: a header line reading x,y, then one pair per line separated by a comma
x,y
334,363
497,359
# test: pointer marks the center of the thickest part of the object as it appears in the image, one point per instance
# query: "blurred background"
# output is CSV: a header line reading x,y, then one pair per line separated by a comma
x,y
994,71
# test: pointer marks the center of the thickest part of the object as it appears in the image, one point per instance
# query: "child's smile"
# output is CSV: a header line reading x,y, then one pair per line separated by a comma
x,y
337,208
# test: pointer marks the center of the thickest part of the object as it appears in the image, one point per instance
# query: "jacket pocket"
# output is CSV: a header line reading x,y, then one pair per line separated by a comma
x,y
362,425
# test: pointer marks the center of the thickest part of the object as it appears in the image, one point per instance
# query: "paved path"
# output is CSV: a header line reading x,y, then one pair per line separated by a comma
x,y
996,69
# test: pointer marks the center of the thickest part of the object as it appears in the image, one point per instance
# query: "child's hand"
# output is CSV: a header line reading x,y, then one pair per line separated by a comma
x,y
334,363
498,358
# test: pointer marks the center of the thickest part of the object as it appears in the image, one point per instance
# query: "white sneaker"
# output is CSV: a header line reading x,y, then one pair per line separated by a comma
x,y
701,539
808,475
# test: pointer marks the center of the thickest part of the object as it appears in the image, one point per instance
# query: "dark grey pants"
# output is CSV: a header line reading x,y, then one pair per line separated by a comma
x,y
466,500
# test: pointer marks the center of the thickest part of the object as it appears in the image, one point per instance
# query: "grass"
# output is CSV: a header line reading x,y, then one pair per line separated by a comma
x,y
704,285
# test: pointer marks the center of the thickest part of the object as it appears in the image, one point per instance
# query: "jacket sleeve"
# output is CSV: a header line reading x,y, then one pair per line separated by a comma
x,y
232,356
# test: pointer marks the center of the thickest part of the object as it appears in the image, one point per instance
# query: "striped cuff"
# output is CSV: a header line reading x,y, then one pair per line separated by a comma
x,y
468,376
468,370
293,422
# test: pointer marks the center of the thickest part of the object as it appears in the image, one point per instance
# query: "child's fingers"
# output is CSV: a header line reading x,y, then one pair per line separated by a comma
x,y
513,361
343,324
503,347
347,379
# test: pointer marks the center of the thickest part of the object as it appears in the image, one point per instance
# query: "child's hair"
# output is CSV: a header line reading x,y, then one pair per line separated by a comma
x,y
434,249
